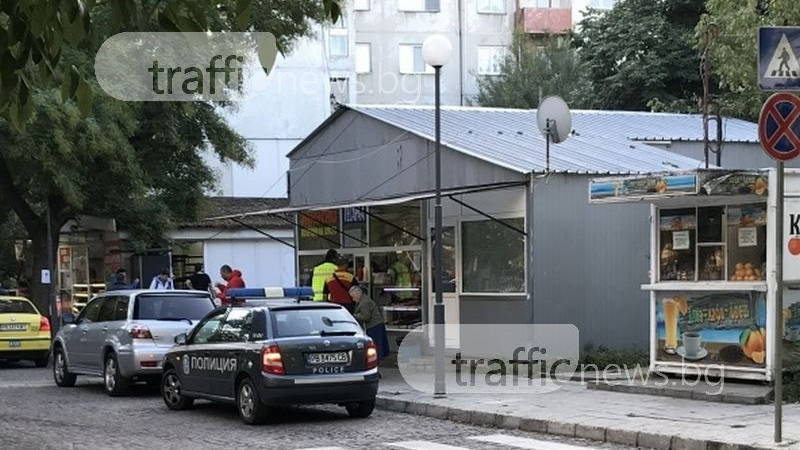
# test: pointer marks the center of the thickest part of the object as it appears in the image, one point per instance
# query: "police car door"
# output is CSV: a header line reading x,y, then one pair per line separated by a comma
x,y
227,354
194,376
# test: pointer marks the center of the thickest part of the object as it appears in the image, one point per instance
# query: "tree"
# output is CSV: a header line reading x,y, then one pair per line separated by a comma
x,y
641,53
138,162
733,53
532,72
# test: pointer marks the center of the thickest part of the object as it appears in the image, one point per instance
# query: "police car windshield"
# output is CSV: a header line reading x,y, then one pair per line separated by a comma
x,y
313,322
171,307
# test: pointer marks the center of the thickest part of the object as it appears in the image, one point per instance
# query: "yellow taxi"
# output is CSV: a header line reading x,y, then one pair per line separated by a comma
x,y
24,333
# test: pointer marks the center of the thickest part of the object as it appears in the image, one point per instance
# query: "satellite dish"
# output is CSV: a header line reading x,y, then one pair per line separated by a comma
x,y
554,119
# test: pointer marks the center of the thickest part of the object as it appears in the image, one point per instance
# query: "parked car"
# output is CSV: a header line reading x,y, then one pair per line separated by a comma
x,y
24,332
274,354
123,336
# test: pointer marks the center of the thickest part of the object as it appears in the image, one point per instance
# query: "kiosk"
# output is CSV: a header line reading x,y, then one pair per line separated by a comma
x,y
712,268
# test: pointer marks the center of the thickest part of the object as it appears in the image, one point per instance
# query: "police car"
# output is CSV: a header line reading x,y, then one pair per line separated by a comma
x,y
258,354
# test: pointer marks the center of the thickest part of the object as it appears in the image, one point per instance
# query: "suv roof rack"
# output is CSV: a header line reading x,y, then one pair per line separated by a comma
x,y
299,293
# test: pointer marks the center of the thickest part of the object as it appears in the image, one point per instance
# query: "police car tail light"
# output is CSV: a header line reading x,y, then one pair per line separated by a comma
x,y
44,324
140,332
271,361
372,356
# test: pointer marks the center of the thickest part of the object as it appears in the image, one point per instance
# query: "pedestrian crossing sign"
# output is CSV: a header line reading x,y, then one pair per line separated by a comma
x,y
778,52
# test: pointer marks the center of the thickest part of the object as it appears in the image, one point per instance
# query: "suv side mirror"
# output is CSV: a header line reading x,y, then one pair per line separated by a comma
x,y
67,318
180,339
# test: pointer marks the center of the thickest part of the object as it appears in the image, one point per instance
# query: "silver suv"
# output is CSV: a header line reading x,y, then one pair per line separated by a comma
x,y
123,336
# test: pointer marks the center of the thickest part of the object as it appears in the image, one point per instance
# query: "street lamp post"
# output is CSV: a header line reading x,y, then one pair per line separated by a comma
x,y
436,51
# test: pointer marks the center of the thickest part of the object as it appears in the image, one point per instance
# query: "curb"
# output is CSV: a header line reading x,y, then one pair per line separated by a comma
x,y
557,428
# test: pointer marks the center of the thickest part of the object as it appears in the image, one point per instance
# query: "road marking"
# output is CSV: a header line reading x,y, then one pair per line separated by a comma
x,y
27,384
322,448
423,445
525,443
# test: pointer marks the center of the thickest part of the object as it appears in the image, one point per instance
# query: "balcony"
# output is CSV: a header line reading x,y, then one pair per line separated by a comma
x,y
546,20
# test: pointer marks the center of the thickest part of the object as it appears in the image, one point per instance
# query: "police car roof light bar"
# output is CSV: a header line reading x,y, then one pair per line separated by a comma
x,y
271,292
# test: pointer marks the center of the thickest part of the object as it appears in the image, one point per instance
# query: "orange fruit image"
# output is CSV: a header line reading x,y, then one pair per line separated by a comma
x,y
758,357
760,186
753,340
661,186
794,246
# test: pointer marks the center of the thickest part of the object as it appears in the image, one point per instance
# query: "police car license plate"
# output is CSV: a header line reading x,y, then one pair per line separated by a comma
x,y
14,344
328,358
13,327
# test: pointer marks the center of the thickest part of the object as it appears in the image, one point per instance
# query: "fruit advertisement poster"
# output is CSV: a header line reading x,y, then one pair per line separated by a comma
x,y
712,328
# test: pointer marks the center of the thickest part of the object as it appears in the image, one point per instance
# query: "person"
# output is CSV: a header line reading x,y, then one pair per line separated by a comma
x,y
371,319
65,305
162,281
233,280
119,281
200,281
338,285
321,273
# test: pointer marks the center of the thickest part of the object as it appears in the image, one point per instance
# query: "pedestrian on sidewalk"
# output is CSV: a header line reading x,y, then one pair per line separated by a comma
x,y
337,286
369,315
162,281
200,281
233,280
321,274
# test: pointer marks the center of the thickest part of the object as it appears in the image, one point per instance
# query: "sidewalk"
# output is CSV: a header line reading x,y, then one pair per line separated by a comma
x,y
632,419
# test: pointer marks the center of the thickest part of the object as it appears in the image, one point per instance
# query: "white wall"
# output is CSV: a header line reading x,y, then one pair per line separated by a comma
x,y
263,262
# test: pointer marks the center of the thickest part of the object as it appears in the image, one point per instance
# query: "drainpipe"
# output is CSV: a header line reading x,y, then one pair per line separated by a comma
x,y
460,53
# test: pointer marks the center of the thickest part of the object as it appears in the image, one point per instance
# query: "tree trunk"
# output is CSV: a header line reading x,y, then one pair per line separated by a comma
x,y
41,293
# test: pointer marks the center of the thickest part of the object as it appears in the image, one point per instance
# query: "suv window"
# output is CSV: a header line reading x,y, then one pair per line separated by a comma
x,y
236,326
171,307
90,311
312,322
107,309
208,329
121,311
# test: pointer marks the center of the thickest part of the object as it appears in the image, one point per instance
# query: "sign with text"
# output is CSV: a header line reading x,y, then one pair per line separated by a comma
x,y
791,239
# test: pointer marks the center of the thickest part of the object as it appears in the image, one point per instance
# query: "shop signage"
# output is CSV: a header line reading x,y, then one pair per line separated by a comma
x,y
738,183
639,187
354,215
778,126
791,238
319,223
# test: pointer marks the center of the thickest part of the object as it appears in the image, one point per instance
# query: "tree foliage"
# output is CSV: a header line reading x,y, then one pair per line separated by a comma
x,y
533,71
734,56
641,54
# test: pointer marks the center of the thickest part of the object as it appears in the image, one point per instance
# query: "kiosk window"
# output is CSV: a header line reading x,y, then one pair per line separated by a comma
x,y
493,256
394,225
677,233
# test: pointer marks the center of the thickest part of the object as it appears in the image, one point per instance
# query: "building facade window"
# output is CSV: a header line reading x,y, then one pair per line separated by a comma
x,y
493,258
418,5
490,59
361,5
602,4
491,6
363,58
411,60
394,225
338,42
545,4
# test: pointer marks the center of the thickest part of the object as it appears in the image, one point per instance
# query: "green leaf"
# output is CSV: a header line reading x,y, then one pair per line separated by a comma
x,y
45,73
244,13
84,96
69,83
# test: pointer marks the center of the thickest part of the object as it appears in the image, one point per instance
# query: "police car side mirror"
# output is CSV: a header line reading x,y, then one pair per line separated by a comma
x,y
67,318
180,339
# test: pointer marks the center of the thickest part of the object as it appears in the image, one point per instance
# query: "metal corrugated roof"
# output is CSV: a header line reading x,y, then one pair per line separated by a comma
x,y
510,138
646,126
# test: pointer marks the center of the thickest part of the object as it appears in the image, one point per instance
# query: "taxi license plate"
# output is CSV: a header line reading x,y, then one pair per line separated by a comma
x,y
328,358
13,327
14,344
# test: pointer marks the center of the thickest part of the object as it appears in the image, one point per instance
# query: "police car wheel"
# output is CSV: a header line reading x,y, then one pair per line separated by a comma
x,y
360,410
61,373
251,410
172,392
113,382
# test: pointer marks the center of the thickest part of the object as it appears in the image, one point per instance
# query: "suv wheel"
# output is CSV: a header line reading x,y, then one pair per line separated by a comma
x,y
251,410
172,392
361,410
113,382
61,373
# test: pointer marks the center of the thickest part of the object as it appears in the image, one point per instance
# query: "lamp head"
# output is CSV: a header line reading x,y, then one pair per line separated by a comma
x,y
436,50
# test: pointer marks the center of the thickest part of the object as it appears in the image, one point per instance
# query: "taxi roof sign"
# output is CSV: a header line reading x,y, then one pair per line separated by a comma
x,y
778,58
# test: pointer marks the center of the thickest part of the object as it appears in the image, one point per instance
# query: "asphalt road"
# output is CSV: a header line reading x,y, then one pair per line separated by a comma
x,y
35,414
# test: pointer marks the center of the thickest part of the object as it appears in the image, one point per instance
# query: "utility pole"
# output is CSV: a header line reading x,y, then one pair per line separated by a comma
x,y
711,33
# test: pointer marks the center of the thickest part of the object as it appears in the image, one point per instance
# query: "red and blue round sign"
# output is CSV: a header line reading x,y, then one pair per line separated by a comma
x,y
779,126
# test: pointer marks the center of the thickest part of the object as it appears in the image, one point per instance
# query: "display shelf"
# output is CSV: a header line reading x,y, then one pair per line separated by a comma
x,y
707,286
402,308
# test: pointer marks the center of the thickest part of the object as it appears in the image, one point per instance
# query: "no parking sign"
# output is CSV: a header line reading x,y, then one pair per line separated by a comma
x,y
779,126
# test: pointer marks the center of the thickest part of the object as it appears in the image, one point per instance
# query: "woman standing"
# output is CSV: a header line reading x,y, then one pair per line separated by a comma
x,y
371,319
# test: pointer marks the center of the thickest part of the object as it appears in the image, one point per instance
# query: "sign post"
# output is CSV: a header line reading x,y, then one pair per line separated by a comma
x,y
777,125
